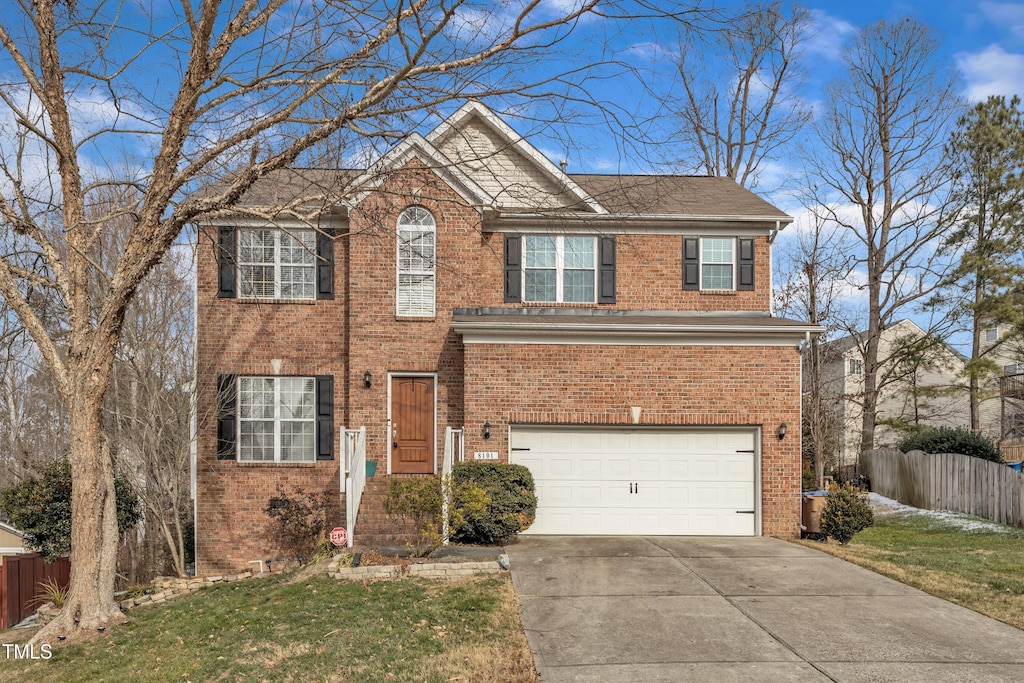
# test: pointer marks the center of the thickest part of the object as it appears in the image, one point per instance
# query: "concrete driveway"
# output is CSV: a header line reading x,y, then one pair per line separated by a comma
x,y
740,609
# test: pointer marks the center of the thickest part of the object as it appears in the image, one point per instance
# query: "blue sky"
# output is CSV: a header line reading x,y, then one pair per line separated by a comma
x,y
983,41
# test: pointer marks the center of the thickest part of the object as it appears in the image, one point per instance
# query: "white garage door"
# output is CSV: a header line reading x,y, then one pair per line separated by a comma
x,y
624,481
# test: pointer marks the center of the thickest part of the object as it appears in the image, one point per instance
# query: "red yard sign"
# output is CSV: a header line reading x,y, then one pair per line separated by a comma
x,y
339,536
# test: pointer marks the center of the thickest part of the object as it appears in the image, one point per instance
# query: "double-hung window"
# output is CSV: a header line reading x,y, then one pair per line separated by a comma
x,y
417,266
716,263
856,366
277,264
559,268
277,419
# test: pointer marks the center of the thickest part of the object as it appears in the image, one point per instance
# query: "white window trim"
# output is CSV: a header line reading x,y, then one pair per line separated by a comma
x,y
855,362
559,270
278,232
398,268
700,259
277,420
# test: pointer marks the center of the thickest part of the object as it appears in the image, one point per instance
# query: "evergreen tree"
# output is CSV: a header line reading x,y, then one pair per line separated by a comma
x,y
986,160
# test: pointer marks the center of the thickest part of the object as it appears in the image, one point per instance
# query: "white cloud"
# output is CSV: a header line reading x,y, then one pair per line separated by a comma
x,y
828,35
563,8
993,71
1006,15
477,27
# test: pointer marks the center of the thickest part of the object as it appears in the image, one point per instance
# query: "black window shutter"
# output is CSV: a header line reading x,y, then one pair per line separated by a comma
x,y
691,263
226,269
513,268
606,276
325,417
227,396
745,281
325,264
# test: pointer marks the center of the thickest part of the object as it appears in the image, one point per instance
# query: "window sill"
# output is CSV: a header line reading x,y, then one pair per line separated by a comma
x,y
718,292
247,463
300,302
415,318
561,304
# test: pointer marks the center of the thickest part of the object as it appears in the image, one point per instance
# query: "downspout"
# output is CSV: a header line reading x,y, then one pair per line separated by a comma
x,y
193,427
771,269
800,429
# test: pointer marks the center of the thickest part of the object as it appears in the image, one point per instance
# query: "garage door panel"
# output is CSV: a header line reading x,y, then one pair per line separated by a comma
x,y
593,480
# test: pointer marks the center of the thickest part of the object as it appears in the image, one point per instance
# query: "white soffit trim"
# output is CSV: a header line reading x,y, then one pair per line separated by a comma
x,y
416,146
289,223
516,141
742,226
638,335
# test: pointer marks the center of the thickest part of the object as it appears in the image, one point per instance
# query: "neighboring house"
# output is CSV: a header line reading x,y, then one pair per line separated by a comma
x,y
1002,405
919,387
11,540
613,333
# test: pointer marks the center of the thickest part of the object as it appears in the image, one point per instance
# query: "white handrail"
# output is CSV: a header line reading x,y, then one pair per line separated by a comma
x,y
353,443
453,444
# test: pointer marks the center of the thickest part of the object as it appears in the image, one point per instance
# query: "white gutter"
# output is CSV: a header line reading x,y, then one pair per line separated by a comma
x,y
501,332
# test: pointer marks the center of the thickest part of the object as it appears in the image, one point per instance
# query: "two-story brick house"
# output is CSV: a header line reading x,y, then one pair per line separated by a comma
x,y
613,333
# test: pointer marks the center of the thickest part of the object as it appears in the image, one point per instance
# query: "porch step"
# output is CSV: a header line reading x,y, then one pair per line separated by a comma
x,y
374,526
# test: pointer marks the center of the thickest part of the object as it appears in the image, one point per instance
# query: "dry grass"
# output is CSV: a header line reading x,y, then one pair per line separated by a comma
x,y
483,662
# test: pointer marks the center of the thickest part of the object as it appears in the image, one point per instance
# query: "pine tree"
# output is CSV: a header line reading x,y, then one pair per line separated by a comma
x,y
986,160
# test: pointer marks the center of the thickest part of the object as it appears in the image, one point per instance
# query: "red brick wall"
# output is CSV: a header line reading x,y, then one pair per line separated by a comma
x,y
235,336
675,385
239,337
649,276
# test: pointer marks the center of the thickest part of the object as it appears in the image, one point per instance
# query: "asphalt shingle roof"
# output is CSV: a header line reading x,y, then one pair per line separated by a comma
x,y
637,195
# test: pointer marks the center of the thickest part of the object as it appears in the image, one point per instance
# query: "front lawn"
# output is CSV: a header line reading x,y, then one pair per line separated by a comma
x,y
317,629
980,567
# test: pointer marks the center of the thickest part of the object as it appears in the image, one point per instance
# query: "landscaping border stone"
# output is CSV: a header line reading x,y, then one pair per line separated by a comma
x,y
426,570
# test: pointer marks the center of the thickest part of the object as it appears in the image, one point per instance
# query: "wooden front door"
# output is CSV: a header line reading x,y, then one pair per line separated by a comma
x,y
412,425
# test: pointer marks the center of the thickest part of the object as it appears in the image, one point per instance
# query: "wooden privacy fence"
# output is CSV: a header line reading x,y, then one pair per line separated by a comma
x,y
19,583
948,481
1013,451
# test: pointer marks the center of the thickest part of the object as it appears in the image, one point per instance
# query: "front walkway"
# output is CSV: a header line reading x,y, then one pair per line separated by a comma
x,y
607,609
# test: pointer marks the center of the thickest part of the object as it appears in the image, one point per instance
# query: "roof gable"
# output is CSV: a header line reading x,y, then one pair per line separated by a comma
x,y
415,146
508,167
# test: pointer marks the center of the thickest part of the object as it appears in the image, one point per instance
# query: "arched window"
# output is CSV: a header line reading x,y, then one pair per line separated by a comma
x,y
416,262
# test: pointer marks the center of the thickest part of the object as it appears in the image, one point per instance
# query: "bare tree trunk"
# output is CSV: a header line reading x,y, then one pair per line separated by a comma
x,y
90,604
973,386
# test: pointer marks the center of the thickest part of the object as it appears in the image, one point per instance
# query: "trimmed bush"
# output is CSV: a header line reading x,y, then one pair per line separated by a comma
x,y
495,501
846,512
950,440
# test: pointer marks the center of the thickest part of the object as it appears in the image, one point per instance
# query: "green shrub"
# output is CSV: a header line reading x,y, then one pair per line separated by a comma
x,y
493,501
846,512
950,440
418,500
41,508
